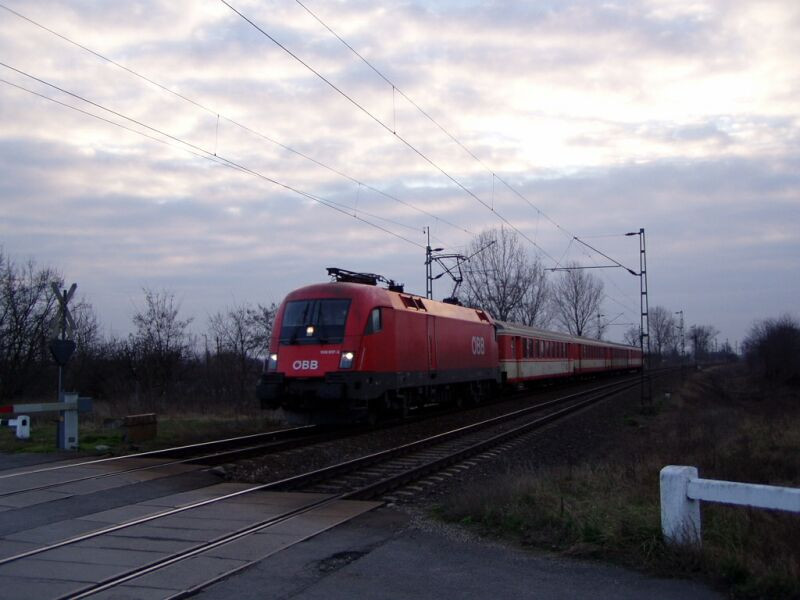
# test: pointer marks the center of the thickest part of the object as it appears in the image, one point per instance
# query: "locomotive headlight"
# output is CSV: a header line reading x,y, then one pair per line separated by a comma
x,y
346,360
309,330
272,363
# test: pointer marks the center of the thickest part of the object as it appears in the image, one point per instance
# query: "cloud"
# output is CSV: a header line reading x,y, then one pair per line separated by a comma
x,y
680,117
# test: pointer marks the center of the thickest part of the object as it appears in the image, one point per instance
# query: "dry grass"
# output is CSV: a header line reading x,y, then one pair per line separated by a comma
x,y
103,427
609,508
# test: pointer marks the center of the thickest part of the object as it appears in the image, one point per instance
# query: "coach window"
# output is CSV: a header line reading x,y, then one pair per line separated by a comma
x,y
374,323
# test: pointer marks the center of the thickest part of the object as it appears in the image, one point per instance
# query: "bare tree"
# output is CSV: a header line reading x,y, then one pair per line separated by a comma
x,y
576,299
87,328
262,319
632,336
161,341
158,328
772,349
495,277
27,306
534,307
662,330
701,337
242,332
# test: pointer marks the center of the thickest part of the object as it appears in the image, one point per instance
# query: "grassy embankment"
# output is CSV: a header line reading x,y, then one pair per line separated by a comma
x,y
103,428
607,506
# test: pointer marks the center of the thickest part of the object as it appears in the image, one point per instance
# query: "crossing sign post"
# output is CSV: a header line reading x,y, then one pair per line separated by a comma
x,y
64,321
62,348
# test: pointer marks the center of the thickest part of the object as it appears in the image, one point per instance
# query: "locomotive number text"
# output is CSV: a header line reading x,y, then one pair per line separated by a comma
x,y
478,346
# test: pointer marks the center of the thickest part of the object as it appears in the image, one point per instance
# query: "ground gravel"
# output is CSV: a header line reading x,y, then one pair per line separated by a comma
x,y
568,441
588,434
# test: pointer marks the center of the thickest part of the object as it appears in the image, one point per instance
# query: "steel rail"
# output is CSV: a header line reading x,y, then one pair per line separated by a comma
x,y
214,458
352,464
227,538
415,473
179,450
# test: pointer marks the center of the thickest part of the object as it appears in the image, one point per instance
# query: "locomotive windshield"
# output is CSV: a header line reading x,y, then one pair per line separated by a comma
x,y
314,321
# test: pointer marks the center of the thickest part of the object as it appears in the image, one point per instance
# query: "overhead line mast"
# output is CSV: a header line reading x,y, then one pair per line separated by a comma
x,y
432,255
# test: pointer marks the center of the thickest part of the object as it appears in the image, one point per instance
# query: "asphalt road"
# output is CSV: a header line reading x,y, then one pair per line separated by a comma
x,y
388,554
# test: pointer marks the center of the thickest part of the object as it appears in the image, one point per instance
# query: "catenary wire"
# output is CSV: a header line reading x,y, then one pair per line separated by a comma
x,y
232,121
303,155
428,116
194,150
516,192
344,175
386,127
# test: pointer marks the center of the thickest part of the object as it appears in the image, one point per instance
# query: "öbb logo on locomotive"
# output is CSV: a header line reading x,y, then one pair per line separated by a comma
x,y
305,365
478,345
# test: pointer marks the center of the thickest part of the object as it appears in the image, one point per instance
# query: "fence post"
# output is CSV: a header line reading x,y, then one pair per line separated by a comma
x,y
680,515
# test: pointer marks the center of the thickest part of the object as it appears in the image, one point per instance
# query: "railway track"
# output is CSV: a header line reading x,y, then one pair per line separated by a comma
x,y
321,492
202,454
370,476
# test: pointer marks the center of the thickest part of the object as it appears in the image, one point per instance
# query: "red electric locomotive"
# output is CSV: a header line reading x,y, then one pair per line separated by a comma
x,y
349,350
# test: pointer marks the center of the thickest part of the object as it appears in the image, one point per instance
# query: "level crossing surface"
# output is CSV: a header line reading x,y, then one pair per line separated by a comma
x,y
149,538
391,555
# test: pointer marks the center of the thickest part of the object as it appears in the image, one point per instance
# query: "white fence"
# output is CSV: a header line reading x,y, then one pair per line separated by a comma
x,y
682,490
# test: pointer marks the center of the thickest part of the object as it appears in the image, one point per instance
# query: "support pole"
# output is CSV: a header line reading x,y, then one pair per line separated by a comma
x,y
428,267
644,326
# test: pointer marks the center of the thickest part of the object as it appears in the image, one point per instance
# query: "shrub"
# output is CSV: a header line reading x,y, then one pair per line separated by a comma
x,y
772,349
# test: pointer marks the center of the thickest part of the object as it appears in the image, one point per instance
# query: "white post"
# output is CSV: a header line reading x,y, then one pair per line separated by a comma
x,y
680,515
22,424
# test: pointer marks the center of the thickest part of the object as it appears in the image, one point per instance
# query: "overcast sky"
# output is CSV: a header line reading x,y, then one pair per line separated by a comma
x,y
681,117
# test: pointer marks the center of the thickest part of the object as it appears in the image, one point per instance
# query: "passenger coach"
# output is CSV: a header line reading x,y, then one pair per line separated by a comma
x,y
530,354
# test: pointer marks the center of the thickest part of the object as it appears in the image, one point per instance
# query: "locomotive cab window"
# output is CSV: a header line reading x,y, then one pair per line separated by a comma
x,y
374,322
314,321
